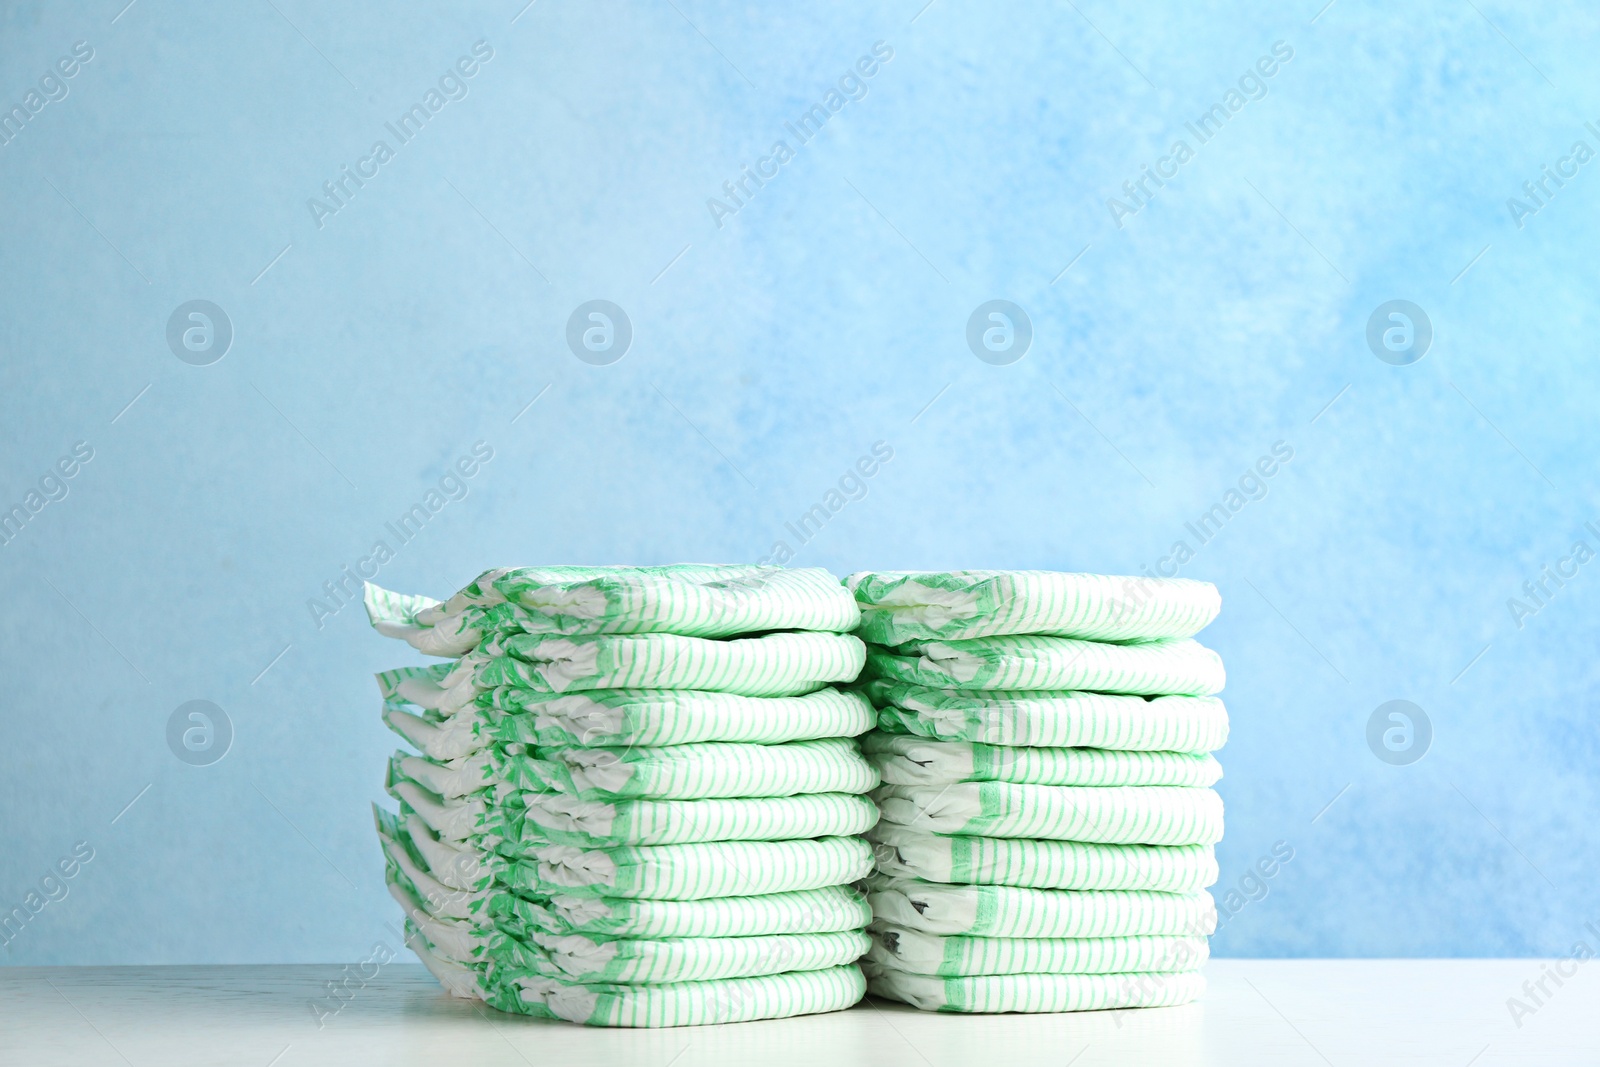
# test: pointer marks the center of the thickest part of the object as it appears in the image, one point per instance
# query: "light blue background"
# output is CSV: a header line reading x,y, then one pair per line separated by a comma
x,y
824,316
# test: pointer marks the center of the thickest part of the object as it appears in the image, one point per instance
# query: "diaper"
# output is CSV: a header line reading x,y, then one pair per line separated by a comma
x,y
693,871
829,909
903,760
543,819
728,1000
705,769
1143,815
772,665
694,599
617,718
1007,911
900,949
1052,720
1169,667
899,607
581,958
900,852
1035,992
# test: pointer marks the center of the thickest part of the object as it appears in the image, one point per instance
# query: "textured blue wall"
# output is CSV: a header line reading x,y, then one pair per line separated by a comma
x,y
1177,336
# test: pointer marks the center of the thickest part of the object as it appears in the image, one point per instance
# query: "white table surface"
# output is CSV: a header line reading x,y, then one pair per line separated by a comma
x,y
1322,1012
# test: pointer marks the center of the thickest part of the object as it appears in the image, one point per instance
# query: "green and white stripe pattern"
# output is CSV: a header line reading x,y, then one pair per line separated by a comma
x,y
639,800
692,599
904,853
623,718
772,665
1048,820
593,824
1155,668
1130,815
898,608
526,821
688,1003
585,959
675,772
1035,992
707,769
687,872
826,910
1052,720
897,948
1010,911
905,760
729,1000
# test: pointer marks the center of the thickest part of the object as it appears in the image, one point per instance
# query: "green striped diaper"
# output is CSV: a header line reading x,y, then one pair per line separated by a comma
x,y
693,599
895,948
706,769
903,760
567,821
899,607
1008,911
1155,668
772,665
673,872
1035,992
676,716
672,772
827,910
581,958
1052,720
728,1000
614,718
689,872
1138,815
557,819
900,852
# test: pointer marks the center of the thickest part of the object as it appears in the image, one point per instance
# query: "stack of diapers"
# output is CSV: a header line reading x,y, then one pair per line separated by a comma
x,y
1048,822
636,796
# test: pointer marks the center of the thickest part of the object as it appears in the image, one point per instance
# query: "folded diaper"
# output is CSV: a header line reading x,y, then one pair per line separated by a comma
x,y
707,769
692,599
1143,815
728,1000
899,949
674,772
533,820
900,607
1170,667
613,718
595,824
825,910
585,959
684,872
901,852
772,665
1052,720
903,760
1007,911
1035,992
